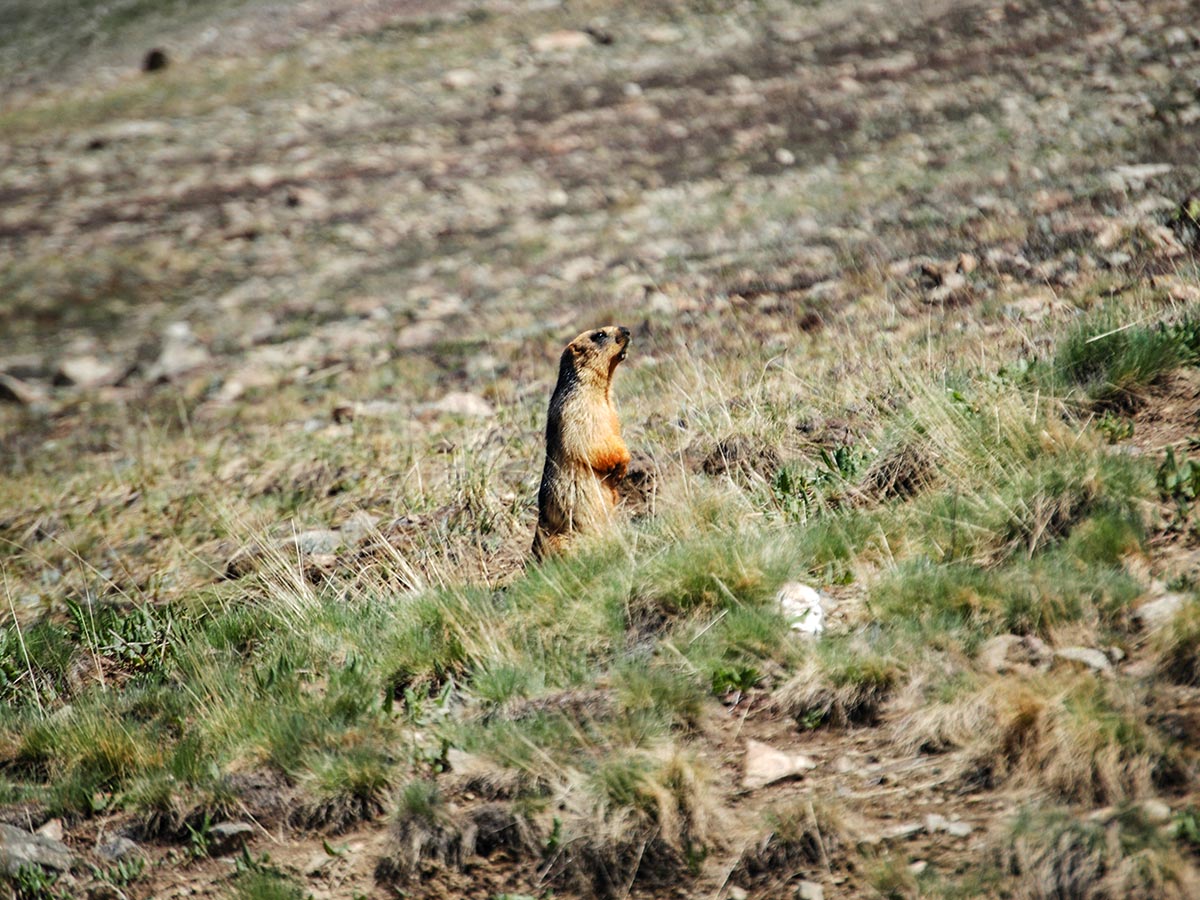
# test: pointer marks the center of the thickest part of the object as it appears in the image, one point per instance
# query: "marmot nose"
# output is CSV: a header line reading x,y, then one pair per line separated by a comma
x,y
623,332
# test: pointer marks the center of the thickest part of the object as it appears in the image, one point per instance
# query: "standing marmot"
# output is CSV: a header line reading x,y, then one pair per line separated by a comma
x,y
585,456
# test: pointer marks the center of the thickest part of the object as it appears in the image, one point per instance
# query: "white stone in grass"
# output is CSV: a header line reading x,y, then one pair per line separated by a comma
x,y
1088,656
802,607
1160,612
765,765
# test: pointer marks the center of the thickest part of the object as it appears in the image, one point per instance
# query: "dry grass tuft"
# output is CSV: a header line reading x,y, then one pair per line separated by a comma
x,y
1076,738
1053,855
839,688
802,834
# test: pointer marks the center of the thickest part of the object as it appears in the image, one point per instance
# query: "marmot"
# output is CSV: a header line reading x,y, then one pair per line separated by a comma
x,y
585,455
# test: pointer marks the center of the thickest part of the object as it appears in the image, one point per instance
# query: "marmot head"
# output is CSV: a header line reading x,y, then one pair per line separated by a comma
x,y
594,355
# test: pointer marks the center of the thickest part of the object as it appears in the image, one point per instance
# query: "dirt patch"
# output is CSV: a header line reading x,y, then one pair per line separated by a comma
x,y
1170,415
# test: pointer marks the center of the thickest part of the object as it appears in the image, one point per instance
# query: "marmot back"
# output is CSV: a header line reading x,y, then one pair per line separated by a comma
x,y
585,455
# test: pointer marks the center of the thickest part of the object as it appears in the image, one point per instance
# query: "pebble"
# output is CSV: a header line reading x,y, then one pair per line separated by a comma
x,y
810,890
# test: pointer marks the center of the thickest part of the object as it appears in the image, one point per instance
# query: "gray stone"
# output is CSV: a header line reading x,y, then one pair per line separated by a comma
x,y
228,837
20,848
317,540
809,890
118,848
1087,656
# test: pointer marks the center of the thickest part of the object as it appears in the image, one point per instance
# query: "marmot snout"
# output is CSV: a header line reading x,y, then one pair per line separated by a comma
x,y
585,455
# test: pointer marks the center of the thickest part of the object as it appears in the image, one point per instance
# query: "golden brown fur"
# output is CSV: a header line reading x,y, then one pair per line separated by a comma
x,y
585,455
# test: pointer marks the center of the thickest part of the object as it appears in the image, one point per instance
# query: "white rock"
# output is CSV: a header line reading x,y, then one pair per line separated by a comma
x,y
765,765
1156,811
663,34
809,890
1136,176
802,607
561,41
785,157
1088,656
457,79
1160,612
87,371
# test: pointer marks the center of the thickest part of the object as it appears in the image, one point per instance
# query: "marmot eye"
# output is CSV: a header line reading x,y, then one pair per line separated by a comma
x,y
599,337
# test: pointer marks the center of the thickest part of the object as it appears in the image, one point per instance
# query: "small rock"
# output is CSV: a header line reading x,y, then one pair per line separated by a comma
x,y
52,829
1156,811
564,41
765,765
954,281
1160,612
1033,307
460,403
903,831
1088,656
20,848
87,372
737,893
14,390
458,79
967,263
316,540
918,867
801,605
785,157
809,890
663,34
1135,177
118,848
228,837
181,353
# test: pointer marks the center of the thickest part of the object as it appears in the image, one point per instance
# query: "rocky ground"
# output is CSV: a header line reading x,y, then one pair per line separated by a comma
x,y
369,228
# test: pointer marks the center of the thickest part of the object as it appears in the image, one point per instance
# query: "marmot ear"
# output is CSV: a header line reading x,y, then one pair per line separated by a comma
x,y
575,348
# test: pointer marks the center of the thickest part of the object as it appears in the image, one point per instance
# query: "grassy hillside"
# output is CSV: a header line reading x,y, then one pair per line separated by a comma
x,y
916,310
